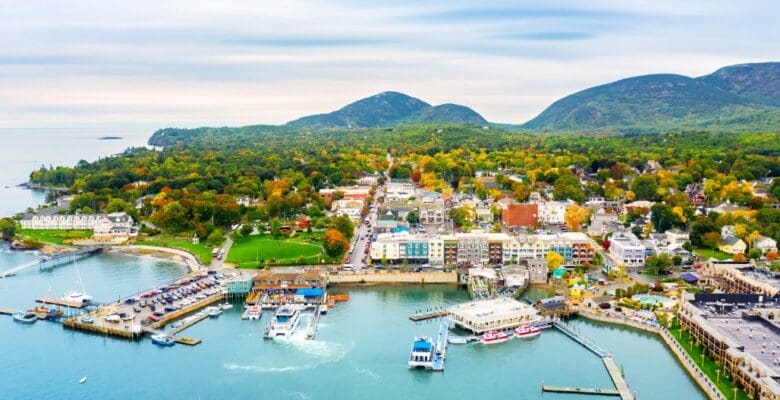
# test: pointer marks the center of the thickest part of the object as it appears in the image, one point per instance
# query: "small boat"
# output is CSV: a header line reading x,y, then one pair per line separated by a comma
x,y
462,339
226,306
527,332
115,318
213,312
77,297
494,337
163,340
87,320
25,317
83,379
255,312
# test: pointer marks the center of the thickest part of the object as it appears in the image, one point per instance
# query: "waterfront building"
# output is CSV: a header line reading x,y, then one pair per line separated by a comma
x,y
739,331
496,314
117,224
741,277
627,249
289,278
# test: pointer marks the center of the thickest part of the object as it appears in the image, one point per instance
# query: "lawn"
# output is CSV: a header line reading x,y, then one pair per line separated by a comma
x,y
302,248
54,236
202,251
709,367
707,253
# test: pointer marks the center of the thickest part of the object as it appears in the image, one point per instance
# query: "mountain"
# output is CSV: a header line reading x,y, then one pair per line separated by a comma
x,y
740,97
387,109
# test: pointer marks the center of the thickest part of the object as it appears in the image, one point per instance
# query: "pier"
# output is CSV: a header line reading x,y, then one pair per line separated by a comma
x,y
187,322
61,302
577,390
441,347
621,386
428,315
54,260
311,330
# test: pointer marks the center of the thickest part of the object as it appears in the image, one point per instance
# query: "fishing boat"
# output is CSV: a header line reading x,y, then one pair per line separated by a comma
x,y
422,354
213,312
494,337
255,312
163,340
25,317
527,332
283,323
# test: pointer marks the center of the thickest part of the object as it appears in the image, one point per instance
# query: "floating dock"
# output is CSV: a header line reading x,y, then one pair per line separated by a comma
x,y
577,390
311,331
441,347
188,322
428,315
61,302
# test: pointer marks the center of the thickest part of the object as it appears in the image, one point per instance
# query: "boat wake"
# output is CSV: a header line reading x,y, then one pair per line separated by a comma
x,y
367,372
319,353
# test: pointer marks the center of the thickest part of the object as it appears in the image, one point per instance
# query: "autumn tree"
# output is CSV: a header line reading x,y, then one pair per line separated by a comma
x,y
575,216
335,243
554,260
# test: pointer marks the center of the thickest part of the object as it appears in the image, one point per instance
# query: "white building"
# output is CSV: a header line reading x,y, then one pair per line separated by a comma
x,y
765,244
552,212
497,314
677,236
353,208
399,190
627,249
102,225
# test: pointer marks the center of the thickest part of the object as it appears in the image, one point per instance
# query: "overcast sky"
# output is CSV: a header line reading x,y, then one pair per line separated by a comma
x,y
193,63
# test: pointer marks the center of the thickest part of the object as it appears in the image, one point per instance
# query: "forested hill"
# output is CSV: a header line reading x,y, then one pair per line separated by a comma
x,y
742,97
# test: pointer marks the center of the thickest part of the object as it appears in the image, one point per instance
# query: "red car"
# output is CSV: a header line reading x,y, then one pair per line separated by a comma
x,y
153,318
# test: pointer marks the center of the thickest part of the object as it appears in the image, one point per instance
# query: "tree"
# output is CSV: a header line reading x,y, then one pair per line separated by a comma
x,y
334,242
276,228
246,230
663,218
659,262
8,228
677,260
568,187
711,240
554,260
343,224
755,254
574,217
645,187
739,257
700,227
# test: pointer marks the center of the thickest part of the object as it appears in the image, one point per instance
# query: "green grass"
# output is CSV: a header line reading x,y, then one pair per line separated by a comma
x,y
303,248
708,253
202,251
725,385
54,236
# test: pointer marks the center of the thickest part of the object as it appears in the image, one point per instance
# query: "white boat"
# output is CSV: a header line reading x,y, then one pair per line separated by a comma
x,y
283,324
527,332
25,317
213,312
422,354
462,339
77,297
255,312
163,340
83,379
494,337
226,306
112,318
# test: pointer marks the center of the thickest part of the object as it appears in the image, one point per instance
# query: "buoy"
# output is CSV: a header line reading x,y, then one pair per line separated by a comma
x,y
83,379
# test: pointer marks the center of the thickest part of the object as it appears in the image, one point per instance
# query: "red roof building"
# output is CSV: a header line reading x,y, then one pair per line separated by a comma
x,y
520,215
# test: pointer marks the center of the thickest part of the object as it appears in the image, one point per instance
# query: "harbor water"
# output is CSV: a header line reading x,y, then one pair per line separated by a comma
x,y
360,351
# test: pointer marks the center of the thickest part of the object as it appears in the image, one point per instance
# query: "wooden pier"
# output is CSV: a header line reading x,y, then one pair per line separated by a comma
x,y
190,322
578,390
54,260
61,302
429,315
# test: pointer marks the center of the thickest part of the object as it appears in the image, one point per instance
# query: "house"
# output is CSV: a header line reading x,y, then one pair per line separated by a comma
x,y
603,222
520,215
247,201
765,244
733,245
677,236
627,249
117,224
352,208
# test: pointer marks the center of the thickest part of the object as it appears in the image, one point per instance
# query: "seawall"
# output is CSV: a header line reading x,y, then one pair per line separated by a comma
x,y
393,277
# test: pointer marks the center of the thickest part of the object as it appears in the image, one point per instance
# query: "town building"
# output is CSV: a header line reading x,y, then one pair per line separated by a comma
x,y
740,277
520,215
552,212
117,224
732,245
497,314
765,244
603,222
627,249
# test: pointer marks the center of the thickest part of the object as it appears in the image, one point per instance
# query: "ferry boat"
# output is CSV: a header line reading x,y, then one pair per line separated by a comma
x,y
422,354
494,337
284,322
76,296
527,332
255,312
163,340
213,312
25,317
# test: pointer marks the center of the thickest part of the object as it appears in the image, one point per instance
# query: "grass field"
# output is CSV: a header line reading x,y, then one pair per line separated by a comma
x,y
202,251
301,249
707,253
709,366
54,236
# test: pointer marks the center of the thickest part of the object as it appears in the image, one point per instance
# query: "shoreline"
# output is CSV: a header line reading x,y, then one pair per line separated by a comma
x,y
691,368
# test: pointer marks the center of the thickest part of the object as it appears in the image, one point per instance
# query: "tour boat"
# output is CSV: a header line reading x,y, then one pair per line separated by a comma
x,y
494,337
283,323
422,354
77,297
112,318
255,312
163,340
213,312
25,317
527,332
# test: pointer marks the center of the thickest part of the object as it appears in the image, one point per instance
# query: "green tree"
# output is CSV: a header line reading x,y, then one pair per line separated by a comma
x,y
645,187
343,224
8,228
276,228
568,187
246,230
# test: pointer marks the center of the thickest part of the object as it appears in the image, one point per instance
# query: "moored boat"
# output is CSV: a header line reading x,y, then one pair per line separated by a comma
x,y
226,306
77,297
284,322
213,312
462,339
527,332
422,354
25,317
255,312
494,337
163,340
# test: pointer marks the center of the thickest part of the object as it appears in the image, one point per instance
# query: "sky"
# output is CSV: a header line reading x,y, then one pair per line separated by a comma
x,y
191,63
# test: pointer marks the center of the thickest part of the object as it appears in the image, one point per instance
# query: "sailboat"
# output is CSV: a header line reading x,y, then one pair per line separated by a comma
x,y
74,295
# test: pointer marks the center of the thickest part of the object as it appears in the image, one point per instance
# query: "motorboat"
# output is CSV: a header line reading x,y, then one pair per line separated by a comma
x,y
494,337
284,322
462,339
77,297
255,312
25,317
226,306
213,312
422,354
163,340
527,332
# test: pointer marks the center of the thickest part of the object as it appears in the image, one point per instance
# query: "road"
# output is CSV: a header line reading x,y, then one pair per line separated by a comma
x,y
358,256
217,263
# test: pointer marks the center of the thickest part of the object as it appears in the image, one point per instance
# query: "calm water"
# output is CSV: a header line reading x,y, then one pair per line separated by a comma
x,y
360,351
24,150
